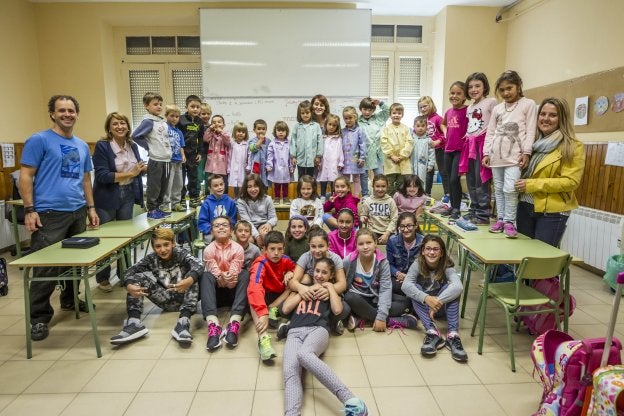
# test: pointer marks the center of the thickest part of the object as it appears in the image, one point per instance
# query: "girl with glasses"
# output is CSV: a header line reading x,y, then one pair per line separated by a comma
x,y
403,248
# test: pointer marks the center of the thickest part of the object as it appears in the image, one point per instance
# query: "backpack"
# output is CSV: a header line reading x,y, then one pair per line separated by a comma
x,y
543,355
540,323
608,392
4,278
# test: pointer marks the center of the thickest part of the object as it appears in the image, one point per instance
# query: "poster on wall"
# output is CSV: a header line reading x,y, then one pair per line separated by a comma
x,y
618,102
580,111
615,154
8,155
601,105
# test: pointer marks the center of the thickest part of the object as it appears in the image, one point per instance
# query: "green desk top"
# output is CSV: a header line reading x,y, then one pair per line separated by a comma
x,y
507,250
133,228
177,217
458,232
55,255
14,202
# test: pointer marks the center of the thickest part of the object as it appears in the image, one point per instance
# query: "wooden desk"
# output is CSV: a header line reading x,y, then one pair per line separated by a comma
x,y
82,264
14,226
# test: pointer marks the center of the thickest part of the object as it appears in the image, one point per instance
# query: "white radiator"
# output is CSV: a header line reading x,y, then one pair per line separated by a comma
x,y
593,235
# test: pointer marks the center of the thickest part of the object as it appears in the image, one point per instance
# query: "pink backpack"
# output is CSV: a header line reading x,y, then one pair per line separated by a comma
x,y
540,323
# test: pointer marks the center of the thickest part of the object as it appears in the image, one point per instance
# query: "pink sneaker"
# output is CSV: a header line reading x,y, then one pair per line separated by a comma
x,y
497,227
510,230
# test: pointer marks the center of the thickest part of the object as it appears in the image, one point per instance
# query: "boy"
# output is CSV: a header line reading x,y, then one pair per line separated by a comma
x,y
217,204
423,156
173,197
372,122
242,235
224,261
168,277
396,144
268,278
193,130
152,134
205,113
258,145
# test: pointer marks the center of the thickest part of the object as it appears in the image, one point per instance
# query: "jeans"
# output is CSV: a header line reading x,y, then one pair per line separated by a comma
x,y
451,165
505,192
189,171
546,227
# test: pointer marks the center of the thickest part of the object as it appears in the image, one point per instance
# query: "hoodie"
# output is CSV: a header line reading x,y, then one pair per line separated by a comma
x,y
212,208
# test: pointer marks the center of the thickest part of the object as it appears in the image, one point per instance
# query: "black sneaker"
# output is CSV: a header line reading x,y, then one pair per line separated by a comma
x,y
82,306
129,332
338,328
454,215
431,344
282,330
231,334
457,349
182,331
214,337
447,212
39,331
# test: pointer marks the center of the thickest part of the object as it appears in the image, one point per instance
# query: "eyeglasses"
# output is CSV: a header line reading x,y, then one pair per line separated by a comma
x,y
221,225
406,227
432,249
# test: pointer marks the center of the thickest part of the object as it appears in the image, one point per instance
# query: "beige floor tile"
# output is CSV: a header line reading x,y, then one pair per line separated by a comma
x,y
402,401
13,306
6,399
589,297
379,343
348,369
270,377
53,347
222,403
271,402
99,404
442,370
160,404
150,347
392,370
196,350
325,403
120,376
37,404
342,345
10,345
7,321
589,330
16,376
522,340
600,312
227,374
465,401
84,349
175,375
66,377
517,399
495,367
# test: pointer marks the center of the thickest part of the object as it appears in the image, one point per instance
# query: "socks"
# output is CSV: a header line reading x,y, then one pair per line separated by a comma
x,y
212,318
235,318
452,334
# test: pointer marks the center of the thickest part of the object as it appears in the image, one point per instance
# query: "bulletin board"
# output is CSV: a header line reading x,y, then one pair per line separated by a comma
x,y
606,83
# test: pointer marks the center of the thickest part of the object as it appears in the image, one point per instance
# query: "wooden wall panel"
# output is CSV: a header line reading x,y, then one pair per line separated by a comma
x,y
602,186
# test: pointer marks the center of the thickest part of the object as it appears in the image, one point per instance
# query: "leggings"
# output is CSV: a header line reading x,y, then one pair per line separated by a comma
x,y
451,165
451,308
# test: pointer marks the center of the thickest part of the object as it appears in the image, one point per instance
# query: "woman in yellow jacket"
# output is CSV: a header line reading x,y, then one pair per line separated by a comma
x,y
554,172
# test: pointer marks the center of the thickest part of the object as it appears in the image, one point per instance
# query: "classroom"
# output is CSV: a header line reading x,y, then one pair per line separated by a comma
x,y
562,48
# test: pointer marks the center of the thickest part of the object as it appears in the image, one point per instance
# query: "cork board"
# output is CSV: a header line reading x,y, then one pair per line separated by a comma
x,y
606,83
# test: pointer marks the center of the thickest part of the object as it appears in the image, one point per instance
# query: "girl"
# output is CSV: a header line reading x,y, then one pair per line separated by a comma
x,y
278,162
477,176
342,240
402,249
341,198
333,159
456,124
354,149
369,292
296,241
320,109
508,145
238,156
423,155
307,203
256,159
218,143
308,338
306,144
435,130
432,284
411,196
379,212
257,208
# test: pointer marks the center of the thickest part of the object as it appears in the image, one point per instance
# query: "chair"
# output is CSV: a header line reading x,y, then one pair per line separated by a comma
x,y
514,296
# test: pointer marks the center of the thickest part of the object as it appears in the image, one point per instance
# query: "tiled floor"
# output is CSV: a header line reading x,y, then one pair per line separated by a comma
x,y
154,376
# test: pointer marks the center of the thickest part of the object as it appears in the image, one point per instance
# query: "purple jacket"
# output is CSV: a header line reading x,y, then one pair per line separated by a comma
x,y
278,162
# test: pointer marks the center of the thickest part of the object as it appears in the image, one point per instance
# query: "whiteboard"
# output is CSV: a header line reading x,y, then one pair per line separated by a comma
x,y
285,52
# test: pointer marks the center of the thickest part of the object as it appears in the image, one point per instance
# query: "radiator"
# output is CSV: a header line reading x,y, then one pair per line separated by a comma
x,y
593,236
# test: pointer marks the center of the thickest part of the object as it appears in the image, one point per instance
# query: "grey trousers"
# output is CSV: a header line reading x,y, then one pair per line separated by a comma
x,y
480,195
157,183
208,287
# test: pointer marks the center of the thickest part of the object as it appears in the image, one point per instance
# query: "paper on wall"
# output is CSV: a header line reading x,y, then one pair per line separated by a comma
x,y
580,111
8,155
615,154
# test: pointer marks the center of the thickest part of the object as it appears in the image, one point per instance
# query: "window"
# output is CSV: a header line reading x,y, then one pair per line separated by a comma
x,y
403,33
162,45
141,81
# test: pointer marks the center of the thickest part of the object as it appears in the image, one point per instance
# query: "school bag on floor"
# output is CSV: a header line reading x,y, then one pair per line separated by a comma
x,y
540,323
4,278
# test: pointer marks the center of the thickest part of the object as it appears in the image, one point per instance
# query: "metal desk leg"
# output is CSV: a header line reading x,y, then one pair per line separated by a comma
x,y
88,298
16,236
27,312
482,308
566,299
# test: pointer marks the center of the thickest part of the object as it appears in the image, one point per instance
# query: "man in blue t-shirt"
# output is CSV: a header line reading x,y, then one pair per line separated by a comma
x,y
55,185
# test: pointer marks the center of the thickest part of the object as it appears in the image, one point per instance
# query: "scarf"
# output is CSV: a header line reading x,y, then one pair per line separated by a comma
x,y
542,147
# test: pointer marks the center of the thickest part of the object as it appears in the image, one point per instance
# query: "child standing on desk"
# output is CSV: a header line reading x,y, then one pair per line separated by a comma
x,y
397,145
372,121
278,162
423,155
219,146
173,198
306,144
353,148
432,284
333,159
256,159
238,157
205,113
435,131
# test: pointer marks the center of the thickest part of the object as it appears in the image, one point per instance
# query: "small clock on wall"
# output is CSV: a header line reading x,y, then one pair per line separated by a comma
x,y
601,105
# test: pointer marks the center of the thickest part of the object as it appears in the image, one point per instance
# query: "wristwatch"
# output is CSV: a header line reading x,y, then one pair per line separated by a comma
x,y
90,206
29,210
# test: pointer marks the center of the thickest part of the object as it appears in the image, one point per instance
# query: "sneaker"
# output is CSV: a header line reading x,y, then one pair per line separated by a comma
x,y
178,208
182,331
231,334
105,286
466,225
282,330
338,328
266,350
355,407
497,227
273,317
214,337
194,202
39,331
352,323
165,214
454,215
431,344
155,214
454,345
446,212
82,306
406,320
286,201
446,198
510,230
130,332
480,221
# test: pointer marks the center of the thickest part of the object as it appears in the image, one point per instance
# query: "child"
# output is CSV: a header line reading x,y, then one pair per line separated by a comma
x,y
219,147
432,284
379,212
372,122
278,162
411,196
256,160
238,157
168,277
456,124
477,176
354,149
256,207
320,109
217,204
342,198
296,237
192,128
435,131
269,276
308,337
307,203
223,259
369,288
152,135
397,145
342,239
333,158
173,198
402,248
306,144
242,235
508,145
205,113
423,155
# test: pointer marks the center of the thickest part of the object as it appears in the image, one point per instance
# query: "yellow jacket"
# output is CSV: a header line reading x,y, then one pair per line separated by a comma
x,y
397,141
553,183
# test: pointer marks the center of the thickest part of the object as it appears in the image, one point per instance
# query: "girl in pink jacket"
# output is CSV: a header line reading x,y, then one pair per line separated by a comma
x,y
341,198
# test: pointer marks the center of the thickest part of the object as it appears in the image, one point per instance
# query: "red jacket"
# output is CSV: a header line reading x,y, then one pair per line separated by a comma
x,y
264,276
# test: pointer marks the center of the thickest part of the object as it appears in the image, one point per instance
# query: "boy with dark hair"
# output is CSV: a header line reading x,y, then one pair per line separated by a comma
x,y
192,128
258,145
217,204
